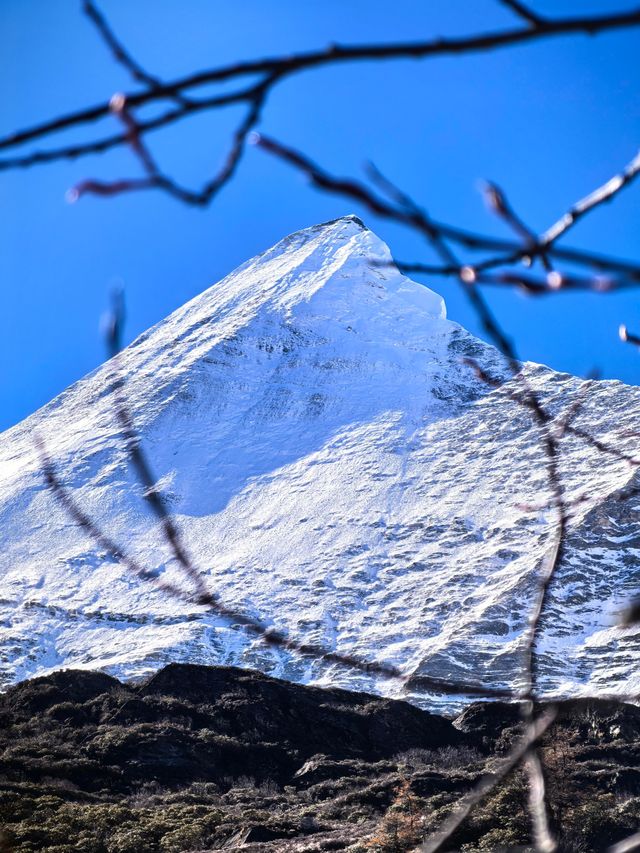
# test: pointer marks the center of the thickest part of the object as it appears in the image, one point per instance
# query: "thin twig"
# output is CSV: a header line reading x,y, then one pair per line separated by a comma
x,y
93,530
337,54
530,285
500,205
628,337
121,54
524,12
439,839
158,180
605,193
628,845
542,835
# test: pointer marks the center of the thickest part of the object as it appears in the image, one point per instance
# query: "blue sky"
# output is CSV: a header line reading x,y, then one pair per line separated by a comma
x,y
548,122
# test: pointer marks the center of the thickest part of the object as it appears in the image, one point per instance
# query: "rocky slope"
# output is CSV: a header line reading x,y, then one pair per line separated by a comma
x,y
336,472
200,758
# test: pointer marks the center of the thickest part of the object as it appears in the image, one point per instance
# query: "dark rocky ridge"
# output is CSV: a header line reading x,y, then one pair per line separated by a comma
x,y
198,723
199,758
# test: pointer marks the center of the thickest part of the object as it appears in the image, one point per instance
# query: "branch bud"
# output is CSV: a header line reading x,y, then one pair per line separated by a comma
x,y
555,280
467,274
117,102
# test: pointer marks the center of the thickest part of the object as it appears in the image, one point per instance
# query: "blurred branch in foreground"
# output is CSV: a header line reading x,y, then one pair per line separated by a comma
x,y
270,72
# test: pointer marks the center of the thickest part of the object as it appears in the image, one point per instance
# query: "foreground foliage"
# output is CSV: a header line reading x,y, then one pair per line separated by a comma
x,y
201,758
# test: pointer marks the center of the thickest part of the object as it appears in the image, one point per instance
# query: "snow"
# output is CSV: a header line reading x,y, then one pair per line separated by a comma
x,y
337,472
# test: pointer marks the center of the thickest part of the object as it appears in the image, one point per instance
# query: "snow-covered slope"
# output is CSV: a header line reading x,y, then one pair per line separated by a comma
x,y
336,471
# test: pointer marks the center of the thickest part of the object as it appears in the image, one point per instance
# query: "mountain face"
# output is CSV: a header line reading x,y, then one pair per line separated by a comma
x,y
337,472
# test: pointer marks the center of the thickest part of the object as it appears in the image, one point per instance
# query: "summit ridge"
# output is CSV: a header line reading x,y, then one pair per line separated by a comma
x,y
338,473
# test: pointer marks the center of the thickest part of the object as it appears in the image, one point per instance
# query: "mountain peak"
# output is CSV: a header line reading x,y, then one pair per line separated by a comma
x,y
339,221
336,472
342,256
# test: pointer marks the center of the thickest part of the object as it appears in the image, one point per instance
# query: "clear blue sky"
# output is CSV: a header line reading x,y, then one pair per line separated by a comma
x,y
547,121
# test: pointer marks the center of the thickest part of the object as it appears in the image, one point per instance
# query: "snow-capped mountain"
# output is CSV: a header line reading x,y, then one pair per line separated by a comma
x,y
337,472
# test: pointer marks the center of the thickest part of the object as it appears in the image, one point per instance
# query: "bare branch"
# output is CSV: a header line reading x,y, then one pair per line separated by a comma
x,y
531,285
533,734
416,214
628,845
525,13
498,202
92,529
337,54
70,152
119,52
628,337
158,180
544,840
605,193
550,444
600,445
552,284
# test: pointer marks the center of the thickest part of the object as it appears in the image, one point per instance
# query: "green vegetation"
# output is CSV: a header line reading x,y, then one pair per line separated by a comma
x,y
202,758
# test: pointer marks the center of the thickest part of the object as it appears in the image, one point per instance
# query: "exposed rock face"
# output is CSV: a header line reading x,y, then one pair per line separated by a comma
x,y
337,472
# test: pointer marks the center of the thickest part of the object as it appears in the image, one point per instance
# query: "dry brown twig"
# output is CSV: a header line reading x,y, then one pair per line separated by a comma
x,y
497,201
